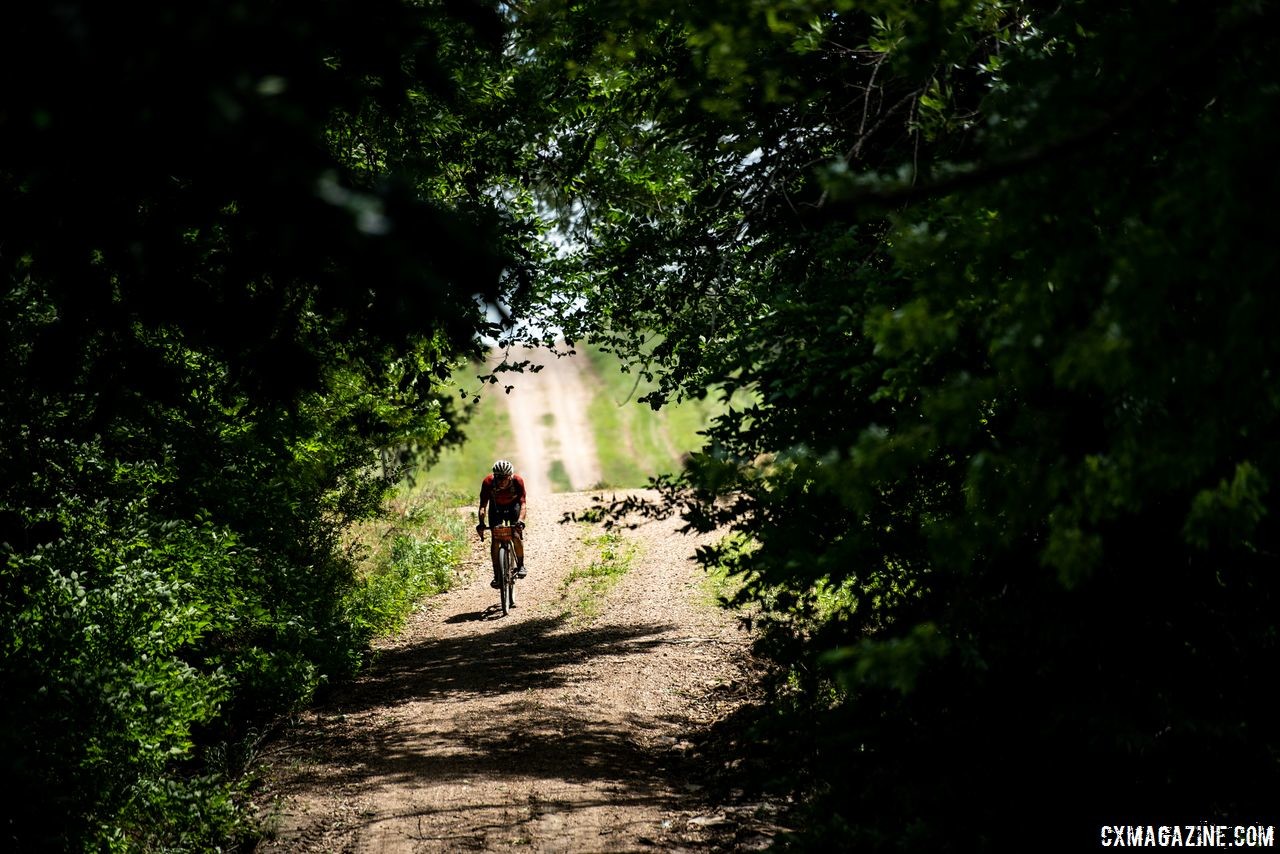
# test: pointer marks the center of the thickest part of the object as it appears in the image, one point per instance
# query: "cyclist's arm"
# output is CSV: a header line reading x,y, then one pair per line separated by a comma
x,y
484,502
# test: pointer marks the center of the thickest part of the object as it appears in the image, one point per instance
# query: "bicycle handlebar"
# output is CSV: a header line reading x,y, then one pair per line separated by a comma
x,y
480,529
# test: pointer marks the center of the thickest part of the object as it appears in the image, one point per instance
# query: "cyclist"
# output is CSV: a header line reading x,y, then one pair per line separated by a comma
x,y
505,490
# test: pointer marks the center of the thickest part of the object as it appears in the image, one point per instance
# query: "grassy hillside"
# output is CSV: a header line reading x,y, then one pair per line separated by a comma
x,y
633,442
459,471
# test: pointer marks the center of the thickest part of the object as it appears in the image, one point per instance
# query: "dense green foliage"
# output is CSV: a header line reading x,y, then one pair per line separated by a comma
x,y
995,278
408,554
1002,278
240,247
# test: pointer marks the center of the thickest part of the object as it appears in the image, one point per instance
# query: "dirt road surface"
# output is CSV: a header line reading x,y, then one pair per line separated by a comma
x,y
543,731
548,411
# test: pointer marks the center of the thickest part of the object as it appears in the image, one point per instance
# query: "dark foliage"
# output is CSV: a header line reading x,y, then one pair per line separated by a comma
x,y
227,282
999,280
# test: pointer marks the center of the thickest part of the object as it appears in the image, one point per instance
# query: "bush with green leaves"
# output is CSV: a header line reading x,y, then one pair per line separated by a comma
x,y
419,559
108,619
999,277
222,304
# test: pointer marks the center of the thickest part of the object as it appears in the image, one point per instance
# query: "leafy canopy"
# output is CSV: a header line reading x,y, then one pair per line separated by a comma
x,y
241,251
999,277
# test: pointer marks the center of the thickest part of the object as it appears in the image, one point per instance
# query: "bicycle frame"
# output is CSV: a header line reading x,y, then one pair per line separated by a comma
x,y
504,544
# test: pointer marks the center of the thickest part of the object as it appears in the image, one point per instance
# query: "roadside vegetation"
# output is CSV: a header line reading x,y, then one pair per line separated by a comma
x,y
635,442
409,553
221,324
995,274
460,466
608,556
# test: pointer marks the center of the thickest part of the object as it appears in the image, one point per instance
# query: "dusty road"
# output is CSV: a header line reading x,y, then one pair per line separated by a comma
x,y
548,411
543,731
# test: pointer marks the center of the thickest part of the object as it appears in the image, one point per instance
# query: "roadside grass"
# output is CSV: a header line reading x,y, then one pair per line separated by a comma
x,y
559,477
409,554
634,442
584,589
488,437
720,583
719,587
620,466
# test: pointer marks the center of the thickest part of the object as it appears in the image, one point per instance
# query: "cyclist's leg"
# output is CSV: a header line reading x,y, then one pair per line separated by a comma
x,y
493,556
518,540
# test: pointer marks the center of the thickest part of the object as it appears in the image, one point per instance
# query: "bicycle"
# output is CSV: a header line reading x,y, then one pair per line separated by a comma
x,y
503,538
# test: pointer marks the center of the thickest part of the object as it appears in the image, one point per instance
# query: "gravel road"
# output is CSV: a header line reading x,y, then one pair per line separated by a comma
x,y
541,731
544,731
548,411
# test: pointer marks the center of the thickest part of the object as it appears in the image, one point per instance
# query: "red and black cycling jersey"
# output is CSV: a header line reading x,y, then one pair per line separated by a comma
x,y
502,496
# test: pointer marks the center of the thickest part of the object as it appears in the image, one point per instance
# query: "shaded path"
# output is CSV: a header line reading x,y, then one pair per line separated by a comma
x,y
537,732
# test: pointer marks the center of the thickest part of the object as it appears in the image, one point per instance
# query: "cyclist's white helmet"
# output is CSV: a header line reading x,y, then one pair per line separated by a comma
x,y
503,468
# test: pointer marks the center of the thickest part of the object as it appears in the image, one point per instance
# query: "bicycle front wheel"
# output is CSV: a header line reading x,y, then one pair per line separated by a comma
x,y
504,578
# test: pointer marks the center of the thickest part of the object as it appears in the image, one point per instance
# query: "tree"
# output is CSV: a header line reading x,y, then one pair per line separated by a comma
x,y
997,276
234,268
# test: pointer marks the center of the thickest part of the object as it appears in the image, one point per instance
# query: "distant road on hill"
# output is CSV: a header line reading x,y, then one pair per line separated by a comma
x,y
555,450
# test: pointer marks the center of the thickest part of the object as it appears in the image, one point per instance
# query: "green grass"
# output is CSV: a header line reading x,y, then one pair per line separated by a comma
x,y
404,557
559,477
489,437
585,587
619,464
719,587
633,441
